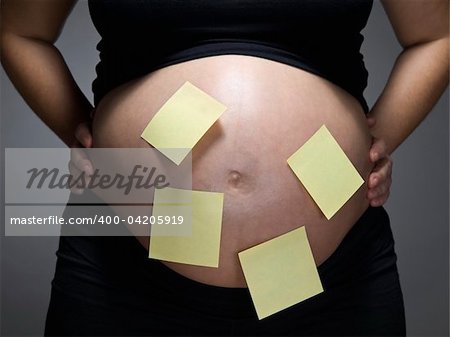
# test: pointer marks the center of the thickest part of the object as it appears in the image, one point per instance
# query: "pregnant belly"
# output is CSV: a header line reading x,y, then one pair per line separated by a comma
x,y
272,109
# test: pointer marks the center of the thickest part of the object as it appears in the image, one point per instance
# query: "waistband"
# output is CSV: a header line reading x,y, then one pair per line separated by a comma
x,y
118,269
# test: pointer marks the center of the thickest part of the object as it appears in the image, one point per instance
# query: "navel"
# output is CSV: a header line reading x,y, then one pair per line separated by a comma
x,y
239,182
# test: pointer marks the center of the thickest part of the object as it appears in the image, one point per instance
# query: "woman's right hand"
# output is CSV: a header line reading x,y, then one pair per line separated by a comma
x,y
79,160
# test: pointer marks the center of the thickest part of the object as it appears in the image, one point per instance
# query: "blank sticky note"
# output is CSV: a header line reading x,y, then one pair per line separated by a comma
x,y
182,121
280,272
202,245
325,171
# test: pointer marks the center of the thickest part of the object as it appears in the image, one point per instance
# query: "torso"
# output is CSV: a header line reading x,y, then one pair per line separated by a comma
x,y
272,109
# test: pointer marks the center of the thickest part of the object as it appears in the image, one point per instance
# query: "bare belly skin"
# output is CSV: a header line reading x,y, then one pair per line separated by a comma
x,y
272,110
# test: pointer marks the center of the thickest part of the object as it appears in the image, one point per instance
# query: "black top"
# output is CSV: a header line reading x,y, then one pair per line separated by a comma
x,y
320,36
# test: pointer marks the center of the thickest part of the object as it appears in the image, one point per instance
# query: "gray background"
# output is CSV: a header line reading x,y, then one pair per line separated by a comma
x,y
418,205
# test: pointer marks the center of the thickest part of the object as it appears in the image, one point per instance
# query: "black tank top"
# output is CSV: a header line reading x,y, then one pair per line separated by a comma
x,y
320,36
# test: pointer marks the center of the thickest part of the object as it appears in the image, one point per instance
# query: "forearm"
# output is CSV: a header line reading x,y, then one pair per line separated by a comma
x,y
419,77
39,73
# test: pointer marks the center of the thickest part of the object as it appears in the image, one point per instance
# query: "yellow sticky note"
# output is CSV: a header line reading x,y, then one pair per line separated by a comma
x,y
280,272
182,121
201,246
325,171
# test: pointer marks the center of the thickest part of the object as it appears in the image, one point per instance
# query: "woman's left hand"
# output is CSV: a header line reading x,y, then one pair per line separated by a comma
x,y
379,182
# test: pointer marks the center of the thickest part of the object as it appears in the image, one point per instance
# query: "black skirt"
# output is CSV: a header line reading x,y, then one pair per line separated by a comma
x,y
107,286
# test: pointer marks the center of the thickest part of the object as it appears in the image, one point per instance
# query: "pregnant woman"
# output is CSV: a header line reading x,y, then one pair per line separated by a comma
x,y
283,68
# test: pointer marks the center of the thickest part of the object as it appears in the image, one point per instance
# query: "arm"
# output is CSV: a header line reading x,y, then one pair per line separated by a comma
x,y
29,29
420,74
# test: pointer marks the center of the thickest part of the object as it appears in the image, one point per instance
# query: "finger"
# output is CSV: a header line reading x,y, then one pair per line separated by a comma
x,y
380,181
379,191
381,173
373,180
74,172
73,169
376,202
371,121
84,135
377,150
80,159
379,201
